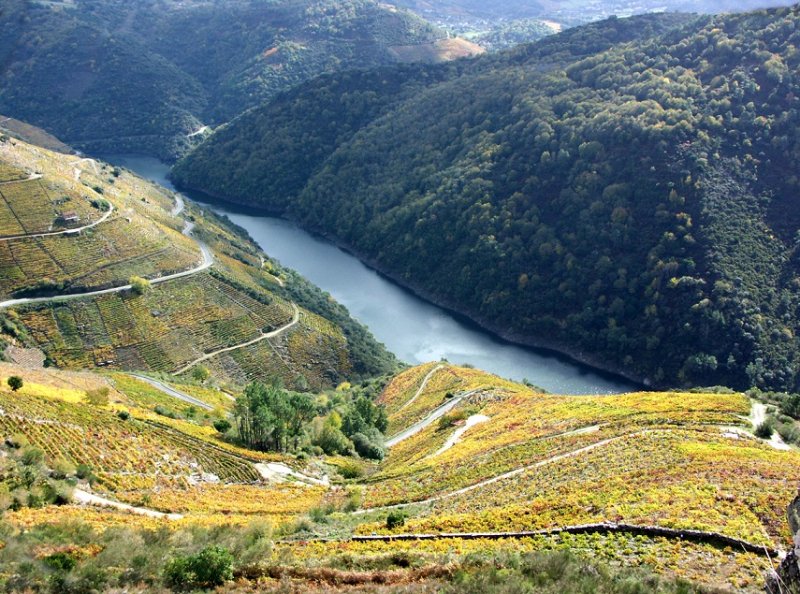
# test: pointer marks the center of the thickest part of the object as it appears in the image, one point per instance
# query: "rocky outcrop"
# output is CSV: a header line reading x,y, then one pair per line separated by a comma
x,y
786,579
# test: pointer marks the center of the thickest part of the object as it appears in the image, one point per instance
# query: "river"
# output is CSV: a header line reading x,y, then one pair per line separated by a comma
x,y
415,330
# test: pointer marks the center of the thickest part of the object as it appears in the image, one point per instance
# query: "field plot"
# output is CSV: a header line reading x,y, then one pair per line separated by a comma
x,y
124,454
105,256
38,207
170,325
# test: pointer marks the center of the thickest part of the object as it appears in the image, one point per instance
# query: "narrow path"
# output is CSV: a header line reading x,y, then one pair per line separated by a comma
x,y
74,231
509,474
208,260
31,177
458,433
86,498
197,132
206,357
421,386
420,425
170,391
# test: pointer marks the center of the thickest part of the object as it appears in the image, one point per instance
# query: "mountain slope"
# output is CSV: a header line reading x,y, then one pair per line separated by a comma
x,y
102,269
110,75
626,204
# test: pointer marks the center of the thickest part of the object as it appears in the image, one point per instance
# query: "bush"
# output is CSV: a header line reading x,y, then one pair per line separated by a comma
x,y
333,441
368,448
124,415
139,285
201,373
165,412
31,456
395,519
222,425
765,430
15,383
211,567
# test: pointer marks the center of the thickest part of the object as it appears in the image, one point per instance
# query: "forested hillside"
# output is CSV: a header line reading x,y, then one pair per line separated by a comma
x,y
80,69
625,192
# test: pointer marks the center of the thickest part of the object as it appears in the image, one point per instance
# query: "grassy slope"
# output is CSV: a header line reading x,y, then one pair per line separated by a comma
x,y
173,323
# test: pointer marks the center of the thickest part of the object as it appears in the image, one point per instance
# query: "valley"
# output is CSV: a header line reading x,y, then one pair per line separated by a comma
x,y
304,296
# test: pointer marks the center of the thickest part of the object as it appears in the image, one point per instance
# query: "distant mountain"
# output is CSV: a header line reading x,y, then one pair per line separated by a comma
x,y
572,11
625,192
110,75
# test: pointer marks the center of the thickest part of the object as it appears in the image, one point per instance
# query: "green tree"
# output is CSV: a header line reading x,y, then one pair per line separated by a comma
x,y
15,383
201,373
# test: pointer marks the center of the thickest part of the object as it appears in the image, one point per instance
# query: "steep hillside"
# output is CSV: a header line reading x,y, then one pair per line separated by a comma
x,y
114,75
102,269
509,486
619,191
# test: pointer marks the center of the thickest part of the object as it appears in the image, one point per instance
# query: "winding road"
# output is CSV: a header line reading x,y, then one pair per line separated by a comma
x,y
436,414
509,474
86,498
170,391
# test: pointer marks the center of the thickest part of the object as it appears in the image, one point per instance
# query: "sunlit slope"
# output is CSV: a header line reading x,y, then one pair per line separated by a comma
x,y
76,226
507,458
165,465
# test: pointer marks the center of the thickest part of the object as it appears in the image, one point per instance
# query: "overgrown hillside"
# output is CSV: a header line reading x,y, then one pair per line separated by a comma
x,y
623,192
111,75
488,484
103,269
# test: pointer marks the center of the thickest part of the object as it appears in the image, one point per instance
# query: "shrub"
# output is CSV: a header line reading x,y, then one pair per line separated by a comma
x,y
15,383
31,456
124,415
139,285
395,519
211,567
222,425
765,430
165,412
333,441
201,373
368,448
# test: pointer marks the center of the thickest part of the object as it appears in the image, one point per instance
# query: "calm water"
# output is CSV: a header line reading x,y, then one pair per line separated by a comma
x,y
413,329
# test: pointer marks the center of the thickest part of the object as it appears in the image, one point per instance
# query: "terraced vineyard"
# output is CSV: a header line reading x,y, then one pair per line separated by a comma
x,y
172,324
162,330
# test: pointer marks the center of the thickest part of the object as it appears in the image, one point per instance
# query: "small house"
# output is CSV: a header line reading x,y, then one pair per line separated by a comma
x,y
70,217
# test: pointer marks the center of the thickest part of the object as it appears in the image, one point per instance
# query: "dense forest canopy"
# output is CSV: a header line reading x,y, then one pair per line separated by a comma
x,y
626,192
142,76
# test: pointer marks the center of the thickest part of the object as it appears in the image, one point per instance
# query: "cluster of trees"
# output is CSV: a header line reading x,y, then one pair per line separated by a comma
x,y
346,422
618,190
